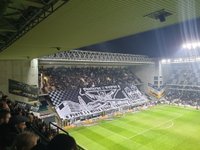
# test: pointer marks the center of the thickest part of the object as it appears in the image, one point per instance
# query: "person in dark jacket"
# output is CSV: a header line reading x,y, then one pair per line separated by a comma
x,y
62,142
17,125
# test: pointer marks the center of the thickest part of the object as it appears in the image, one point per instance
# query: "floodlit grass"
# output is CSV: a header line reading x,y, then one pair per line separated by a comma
x,y
158,128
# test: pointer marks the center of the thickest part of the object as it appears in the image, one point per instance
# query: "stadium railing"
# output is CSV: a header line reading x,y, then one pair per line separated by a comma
x,y
58,129
43,139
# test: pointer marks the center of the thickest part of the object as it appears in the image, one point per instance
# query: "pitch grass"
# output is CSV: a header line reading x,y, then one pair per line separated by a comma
x,y
158,128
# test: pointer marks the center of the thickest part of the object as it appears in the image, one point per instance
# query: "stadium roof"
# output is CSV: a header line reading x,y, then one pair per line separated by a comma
x,y
178,40
79,23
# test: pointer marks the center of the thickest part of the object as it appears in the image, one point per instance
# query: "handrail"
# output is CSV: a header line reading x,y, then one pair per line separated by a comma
x,y
43,138
59,128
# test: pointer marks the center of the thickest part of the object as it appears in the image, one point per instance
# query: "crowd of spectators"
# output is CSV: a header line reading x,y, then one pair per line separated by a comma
x,y
19,129
183,83
62,78
185,97
183,74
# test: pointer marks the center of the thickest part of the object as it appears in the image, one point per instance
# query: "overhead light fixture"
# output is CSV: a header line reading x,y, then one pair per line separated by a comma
x,y
159,15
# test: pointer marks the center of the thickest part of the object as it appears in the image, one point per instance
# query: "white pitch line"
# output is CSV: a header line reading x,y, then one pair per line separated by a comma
x,y
155,127
171,125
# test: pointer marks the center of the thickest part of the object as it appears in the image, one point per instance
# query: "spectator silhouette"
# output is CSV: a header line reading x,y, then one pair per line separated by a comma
x,y
25,141
62,142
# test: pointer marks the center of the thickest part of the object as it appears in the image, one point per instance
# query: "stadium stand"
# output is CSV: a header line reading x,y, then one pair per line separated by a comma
x,y
14,130
81,93
183,74
184,97
182,83
63,78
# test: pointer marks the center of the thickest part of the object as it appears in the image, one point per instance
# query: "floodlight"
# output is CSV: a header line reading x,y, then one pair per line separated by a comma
x,y
192,45
163,61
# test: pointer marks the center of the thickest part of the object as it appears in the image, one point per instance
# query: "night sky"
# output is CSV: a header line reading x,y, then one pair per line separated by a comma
x,y
163,42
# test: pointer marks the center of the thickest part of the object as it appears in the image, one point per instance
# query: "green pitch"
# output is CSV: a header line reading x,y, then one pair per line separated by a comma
x,y
158,128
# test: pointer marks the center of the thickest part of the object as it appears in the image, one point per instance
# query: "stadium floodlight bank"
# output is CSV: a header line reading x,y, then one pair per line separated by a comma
x,y
181,60
191,45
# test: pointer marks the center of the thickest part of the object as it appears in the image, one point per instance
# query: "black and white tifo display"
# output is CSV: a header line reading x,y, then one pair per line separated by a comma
x,y
92,101
82,92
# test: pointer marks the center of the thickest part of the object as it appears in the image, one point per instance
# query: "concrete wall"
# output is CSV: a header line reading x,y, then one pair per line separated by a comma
x,y
20,70
145,73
